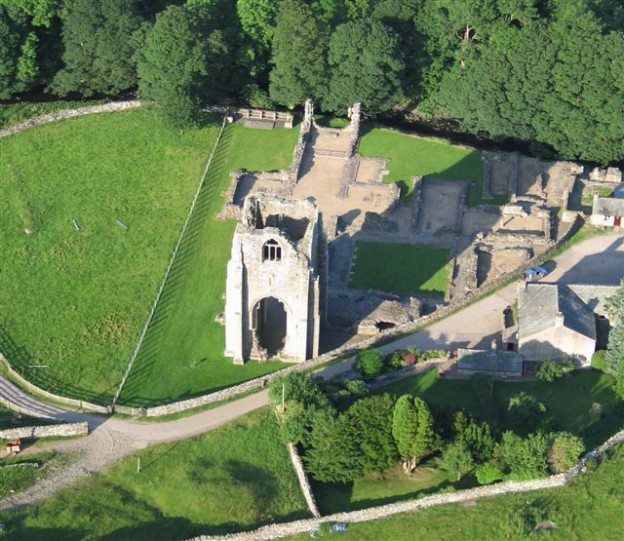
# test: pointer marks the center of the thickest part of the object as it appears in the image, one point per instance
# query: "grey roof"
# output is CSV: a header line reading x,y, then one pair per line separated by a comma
x,y
618,191
539,306
608,206
492,360
594,297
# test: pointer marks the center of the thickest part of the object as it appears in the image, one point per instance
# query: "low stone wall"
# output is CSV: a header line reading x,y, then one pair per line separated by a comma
x,y
303,480
80,405
275,531
70,113
63,430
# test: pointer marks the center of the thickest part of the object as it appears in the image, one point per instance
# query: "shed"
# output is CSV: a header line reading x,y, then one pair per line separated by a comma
x,y
492,362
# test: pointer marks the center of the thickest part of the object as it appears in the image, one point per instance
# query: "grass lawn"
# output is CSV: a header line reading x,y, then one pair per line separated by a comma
x,y
73,302
237,477
413,269
411,155
589,508
378,489
18,112
183,351
582,403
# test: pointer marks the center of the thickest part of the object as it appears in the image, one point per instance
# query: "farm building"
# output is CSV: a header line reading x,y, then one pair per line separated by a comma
x,y
608,211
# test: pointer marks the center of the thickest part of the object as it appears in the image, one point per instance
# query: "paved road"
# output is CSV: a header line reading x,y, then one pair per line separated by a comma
x,y
597,260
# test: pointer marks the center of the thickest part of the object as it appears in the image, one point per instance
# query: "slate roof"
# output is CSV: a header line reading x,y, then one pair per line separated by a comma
x,y
608,206
479,360
540,304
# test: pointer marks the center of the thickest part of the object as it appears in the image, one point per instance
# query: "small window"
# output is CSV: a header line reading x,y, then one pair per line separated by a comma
x,y
271,251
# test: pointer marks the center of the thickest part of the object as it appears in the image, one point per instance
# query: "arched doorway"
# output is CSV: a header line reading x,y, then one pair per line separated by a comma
x,y
269,324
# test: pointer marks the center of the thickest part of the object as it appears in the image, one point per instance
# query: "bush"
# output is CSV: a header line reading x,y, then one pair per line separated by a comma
x,y
394,360
549,371
523,458
456,459
488,473
599,361
369,362
564,452
431,354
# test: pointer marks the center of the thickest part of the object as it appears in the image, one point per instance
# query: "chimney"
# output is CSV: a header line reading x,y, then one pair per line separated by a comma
x,y
559,319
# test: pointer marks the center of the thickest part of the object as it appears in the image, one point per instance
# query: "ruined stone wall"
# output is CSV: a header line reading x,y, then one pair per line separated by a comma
x,y
63,430
302,142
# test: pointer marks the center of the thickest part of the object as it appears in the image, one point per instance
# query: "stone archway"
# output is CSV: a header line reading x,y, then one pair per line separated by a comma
x,y
270,319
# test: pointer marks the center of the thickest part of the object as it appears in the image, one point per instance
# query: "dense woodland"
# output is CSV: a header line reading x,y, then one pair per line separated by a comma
x,y
550,72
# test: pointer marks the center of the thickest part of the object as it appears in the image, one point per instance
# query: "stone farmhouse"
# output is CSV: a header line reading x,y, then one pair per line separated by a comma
x,y
273,281
558,321
607,211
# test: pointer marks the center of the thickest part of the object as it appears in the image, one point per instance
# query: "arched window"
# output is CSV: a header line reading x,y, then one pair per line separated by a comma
x,y
271,251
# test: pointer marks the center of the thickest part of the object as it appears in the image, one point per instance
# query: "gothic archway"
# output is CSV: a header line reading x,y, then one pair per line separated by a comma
x,y
269,321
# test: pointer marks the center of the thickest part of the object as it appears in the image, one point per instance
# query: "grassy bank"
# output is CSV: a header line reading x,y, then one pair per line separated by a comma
x,y
19,112
74,300
182,354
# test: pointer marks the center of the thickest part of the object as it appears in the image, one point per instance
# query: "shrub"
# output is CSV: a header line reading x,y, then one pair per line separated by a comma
x,y
564,451
369,362
488,473
394,361
410,359
599,361
456,459
549,371
432,354
475,435
523,458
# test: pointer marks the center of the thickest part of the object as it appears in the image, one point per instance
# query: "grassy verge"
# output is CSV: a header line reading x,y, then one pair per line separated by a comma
x,y
14,479
74,300
411,155
182,354
588,508
19,112
237,477
401,268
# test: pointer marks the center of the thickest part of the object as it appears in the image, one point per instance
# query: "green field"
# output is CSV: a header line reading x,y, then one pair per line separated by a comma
x,y
73,302
237,477
589,508
401,268
583,403
410,156
12,419
182,354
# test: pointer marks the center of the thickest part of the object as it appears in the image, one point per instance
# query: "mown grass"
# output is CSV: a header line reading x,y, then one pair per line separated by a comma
x,y
401,268
582,403
73,302
588,508
182,354
237,477
18,112
411,155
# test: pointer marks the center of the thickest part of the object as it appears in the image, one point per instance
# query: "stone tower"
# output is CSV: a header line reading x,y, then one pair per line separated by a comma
x,y
272,290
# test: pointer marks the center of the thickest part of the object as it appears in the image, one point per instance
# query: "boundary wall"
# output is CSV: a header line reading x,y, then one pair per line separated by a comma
x,y
62,430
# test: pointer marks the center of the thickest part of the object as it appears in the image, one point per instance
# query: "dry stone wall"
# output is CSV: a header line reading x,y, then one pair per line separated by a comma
x,y
70,113
275,531
306,489
46,431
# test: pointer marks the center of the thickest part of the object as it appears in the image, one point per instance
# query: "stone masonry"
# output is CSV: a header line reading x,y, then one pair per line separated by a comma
x,y
273,284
